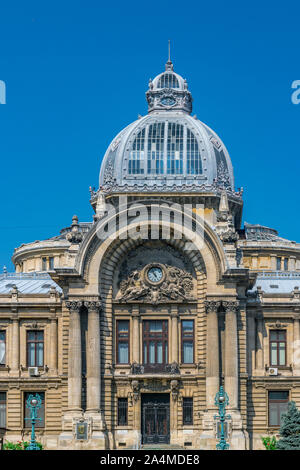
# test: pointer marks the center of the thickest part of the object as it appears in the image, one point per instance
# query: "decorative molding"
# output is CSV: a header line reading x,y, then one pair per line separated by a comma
x,y
229,236
110,187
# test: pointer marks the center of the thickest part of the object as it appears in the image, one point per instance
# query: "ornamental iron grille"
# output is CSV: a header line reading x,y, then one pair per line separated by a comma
x,y
122,411
156,418
187,411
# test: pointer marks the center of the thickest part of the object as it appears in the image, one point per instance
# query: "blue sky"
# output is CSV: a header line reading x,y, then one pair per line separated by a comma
x,y
76,74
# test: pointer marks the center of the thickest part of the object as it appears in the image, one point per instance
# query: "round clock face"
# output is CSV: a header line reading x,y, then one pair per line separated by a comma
x,y
155,274
168,101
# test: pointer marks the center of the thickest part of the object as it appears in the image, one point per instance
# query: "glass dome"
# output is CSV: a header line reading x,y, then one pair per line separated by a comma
x,y
167,148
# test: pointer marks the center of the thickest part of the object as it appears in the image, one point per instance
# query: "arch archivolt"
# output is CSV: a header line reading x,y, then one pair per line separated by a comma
x,y
100,257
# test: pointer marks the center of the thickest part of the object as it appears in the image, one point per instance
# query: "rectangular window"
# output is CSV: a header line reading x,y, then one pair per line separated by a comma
x,y
35,348
122,342
277,347
187,341
51,263
122,412
40,423
44,264
2,348
2,409
187,411
286,264
278,402
278,264
155,341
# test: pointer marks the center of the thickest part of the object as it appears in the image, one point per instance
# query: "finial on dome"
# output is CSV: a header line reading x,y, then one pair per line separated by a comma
x,y
169,64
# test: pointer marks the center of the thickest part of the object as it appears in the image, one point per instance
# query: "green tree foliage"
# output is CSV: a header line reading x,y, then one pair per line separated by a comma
x,y
290,429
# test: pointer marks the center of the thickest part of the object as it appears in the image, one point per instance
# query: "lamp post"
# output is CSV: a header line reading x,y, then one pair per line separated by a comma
x,y
34,403
221,401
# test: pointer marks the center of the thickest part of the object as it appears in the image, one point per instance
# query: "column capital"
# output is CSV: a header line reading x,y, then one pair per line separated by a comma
x,y
212,305
230,305
93,304
74,305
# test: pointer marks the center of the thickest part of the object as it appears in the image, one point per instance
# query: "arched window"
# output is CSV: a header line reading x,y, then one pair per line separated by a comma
x,y
164,148
168,80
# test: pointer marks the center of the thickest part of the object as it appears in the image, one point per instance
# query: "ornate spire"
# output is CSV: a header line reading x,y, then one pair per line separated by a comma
x,y
168,91
169,64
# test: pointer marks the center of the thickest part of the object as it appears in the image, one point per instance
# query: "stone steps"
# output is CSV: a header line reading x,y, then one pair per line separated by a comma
x,y
161,447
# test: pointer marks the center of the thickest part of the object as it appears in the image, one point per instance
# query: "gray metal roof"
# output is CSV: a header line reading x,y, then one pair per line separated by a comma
x,y
277,282
27,283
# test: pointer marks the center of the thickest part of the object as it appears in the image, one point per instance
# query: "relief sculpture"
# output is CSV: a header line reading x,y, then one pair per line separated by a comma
x,y
172,284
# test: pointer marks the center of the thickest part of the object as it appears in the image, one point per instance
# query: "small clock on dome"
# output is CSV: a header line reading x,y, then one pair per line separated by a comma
x,y
168,101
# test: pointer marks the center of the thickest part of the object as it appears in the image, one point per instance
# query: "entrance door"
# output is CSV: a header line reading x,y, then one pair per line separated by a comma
x,y
156,418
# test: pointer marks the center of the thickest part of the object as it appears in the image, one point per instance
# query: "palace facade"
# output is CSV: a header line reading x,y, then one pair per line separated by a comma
x,y
126,326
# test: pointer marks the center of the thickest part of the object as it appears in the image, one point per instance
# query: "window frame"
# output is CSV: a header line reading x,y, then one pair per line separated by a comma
x,y
3,392
162,337
277,342
187,339
5,349
51,263
123,400
272,401
44,264
122,340
35,348
185,401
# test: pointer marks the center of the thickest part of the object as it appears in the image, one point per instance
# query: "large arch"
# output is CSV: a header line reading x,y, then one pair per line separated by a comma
x,y
206,243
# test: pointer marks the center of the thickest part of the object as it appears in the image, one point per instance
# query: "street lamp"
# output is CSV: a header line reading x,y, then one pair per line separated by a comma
x,y
34,403
221,401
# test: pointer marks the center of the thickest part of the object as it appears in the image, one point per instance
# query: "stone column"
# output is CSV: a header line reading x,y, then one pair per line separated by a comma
x,y
212,353
135,334
251,332
260,344
15,346
53,346
175,342
75,359
231,353
93,357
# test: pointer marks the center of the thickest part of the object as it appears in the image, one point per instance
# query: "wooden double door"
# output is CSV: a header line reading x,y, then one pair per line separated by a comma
x,y
155,418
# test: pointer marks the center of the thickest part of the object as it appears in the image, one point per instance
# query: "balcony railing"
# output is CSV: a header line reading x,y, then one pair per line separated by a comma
x,y
155,368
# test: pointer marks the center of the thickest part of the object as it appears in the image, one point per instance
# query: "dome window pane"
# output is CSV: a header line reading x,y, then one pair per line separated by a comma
x,y
156,148
175,149
168,80
194,164
137,155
